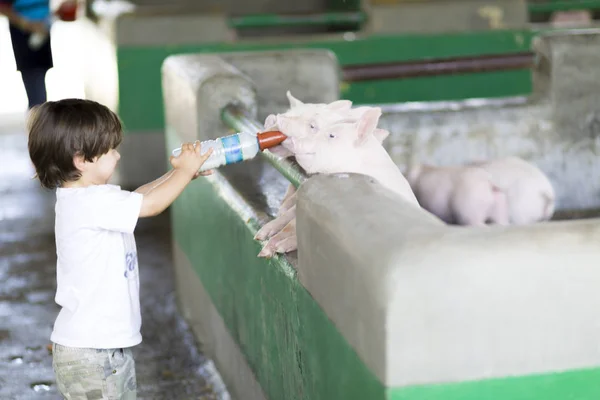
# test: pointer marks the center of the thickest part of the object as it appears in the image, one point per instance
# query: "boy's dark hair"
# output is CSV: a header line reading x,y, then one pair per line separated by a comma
x,y
60,130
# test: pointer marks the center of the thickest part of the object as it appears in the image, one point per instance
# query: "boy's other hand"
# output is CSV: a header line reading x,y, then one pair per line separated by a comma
x,y
191,159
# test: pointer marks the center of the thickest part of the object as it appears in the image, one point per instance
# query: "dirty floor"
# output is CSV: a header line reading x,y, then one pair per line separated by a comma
x,y
169,364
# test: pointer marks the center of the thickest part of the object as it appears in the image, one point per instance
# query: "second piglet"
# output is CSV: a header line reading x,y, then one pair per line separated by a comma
x,y
530,194
458,194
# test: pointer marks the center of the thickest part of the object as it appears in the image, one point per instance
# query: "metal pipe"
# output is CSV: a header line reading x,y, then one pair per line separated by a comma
x,y
564,5
274,20
238,119
459,65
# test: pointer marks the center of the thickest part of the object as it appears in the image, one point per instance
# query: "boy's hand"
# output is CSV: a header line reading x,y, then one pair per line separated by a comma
x,y
203,173
191,159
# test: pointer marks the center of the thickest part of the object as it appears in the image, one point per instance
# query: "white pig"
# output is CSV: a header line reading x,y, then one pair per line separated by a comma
x,y
529,192
305,119
338,147
301,121
463,195
354,148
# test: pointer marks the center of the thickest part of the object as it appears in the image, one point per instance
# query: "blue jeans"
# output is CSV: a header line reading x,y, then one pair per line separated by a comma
x,y
34,80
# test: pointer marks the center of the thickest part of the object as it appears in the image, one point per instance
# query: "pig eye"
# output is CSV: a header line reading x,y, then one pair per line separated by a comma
x,y
331,135
313,126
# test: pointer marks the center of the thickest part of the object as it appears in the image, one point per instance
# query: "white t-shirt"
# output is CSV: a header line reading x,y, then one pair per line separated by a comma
x,y
97,268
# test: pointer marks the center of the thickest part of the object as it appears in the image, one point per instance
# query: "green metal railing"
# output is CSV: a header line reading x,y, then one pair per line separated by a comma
x,y
274,20
357,17
562,5
238,119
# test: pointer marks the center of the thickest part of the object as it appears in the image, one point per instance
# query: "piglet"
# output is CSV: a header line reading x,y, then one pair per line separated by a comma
x,y
303,120
458,195
352,147
529,192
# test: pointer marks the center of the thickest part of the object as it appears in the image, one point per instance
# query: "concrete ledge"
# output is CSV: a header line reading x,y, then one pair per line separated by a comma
x,y
399,16
196,88
423,303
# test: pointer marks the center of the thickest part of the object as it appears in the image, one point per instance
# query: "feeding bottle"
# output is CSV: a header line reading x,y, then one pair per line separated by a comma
x,y
234,148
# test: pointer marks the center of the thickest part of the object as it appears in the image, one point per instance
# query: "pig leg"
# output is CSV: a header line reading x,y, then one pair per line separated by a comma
x,y
472,217
549,205
285,241
499,213
289,203
276,225
287,245
267,251
471,203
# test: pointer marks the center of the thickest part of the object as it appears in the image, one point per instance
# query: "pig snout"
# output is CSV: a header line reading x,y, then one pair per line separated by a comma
x,y
271,122
283,124
289,145
300,146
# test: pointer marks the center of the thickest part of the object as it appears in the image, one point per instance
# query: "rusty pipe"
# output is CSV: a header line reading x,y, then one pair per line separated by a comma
x,y
448,66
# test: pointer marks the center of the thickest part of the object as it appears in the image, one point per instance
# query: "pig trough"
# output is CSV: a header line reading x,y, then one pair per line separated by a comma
x,y
382,302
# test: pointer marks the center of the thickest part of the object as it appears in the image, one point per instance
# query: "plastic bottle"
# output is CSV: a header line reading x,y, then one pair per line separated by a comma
x,y
235,148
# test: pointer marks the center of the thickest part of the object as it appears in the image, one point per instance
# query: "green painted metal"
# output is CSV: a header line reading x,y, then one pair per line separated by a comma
x,y
343,5
290,344
562,5
140,95
581,384
274,20
239,121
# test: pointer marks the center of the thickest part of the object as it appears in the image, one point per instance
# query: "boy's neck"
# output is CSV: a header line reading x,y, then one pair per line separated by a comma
x,y
80,183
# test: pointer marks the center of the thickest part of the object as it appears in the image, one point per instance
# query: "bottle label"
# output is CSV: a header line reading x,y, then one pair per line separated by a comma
x,y
233,149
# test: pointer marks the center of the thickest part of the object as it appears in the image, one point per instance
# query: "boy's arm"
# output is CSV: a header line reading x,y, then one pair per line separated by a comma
x,y
145,189
157,200
148,187
165,189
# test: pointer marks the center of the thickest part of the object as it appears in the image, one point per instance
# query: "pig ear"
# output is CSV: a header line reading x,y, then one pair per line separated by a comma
x,y
380,134
367,125
340,105
358,112
294,102
284,121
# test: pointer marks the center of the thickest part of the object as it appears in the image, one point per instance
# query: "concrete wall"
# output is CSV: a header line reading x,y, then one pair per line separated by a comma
x,y
395,16
425,304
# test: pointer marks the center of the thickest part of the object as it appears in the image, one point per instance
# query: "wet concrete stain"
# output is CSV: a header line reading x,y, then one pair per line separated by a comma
x,y
168,362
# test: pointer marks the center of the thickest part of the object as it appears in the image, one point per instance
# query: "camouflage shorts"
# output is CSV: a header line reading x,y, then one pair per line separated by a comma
x,y
94,374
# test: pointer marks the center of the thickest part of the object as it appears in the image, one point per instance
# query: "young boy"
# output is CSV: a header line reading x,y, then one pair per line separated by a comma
x,y
72,144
